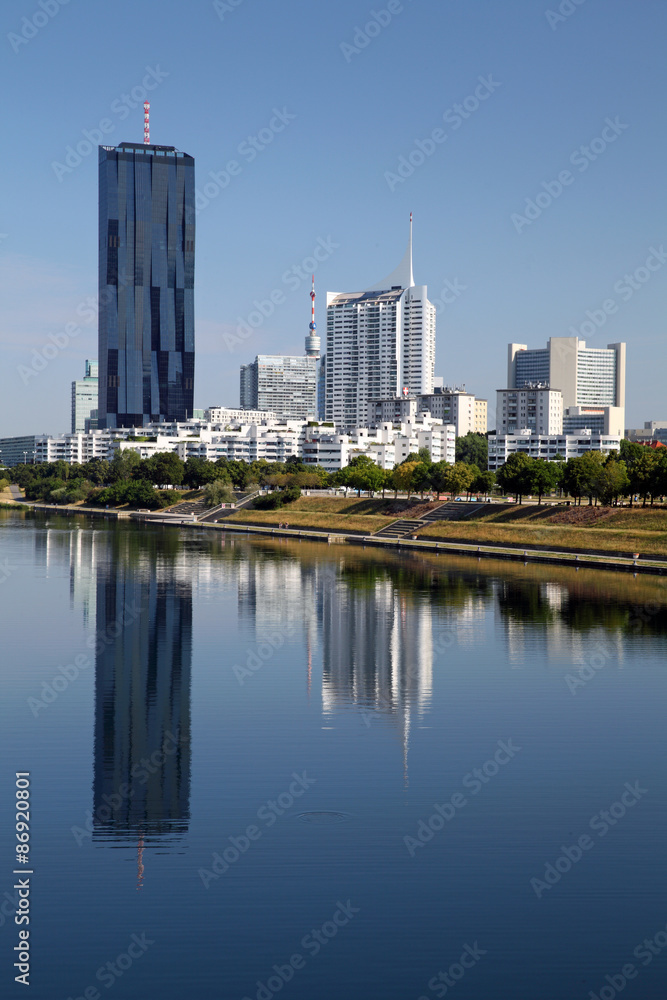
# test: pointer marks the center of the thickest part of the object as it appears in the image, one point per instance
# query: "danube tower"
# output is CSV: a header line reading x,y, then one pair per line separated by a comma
x,y
146,283
380,344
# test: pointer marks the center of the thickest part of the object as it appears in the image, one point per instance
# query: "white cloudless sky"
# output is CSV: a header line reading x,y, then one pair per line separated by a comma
x,y
359,89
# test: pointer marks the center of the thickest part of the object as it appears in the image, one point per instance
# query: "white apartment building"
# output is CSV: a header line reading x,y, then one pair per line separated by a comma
x,y
548,446
272,440
72,448
227,415
387,444
448,405
378,343
536,407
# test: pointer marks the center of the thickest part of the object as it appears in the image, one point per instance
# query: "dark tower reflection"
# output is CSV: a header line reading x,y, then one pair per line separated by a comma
x,y
142,699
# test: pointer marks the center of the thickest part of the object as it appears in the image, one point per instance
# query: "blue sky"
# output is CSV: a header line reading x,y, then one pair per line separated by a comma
x,y
339,95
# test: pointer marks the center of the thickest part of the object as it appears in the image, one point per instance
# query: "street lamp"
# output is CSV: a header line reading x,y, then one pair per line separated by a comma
x,y
24,457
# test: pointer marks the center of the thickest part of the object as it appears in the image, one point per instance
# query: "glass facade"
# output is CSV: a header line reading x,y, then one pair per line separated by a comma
x,y
84,400
531,366
146,284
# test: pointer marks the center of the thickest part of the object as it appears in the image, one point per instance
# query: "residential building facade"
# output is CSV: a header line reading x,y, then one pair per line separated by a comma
x,y
379,343
450,406
548,446
281,383
535,407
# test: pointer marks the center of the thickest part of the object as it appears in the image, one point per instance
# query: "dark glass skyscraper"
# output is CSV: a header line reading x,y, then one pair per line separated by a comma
x,y
146,284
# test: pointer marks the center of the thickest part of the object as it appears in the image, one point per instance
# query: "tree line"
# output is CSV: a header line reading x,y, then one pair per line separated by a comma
x,y
158,481
635,471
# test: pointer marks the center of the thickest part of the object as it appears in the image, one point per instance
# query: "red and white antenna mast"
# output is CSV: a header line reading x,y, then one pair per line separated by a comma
x,y
312,340
147,127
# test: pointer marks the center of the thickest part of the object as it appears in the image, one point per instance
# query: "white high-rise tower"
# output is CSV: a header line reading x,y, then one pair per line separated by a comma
x,y
380,343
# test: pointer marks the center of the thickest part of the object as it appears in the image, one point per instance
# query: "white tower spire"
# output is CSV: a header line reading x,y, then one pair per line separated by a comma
x,y
402,276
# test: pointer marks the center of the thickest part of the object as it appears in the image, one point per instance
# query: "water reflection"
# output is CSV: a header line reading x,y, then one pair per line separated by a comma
x,y
373,620
141,788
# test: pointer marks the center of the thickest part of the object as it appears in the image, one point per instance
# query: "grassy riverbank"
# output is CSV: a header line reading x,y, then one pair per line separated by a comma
x,y
573,529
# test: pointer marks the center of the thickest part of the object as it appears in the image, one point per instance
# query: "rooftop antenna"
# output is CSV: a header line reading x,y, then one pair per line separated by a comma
x,y
312,340
147,127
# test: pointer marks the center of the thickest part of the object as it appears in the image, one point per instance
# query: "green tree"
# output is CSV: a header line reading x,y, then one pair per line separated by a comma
x,y
439,478
515,475
97,471
217,492
402,477
460,477
199,471
643,474
473,449
124,464
165,468
422,476
613,480
544,477
484,483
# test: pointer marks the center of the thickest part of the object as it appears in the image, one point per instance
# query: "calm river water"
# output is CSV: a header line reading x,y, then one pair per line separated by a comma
x,y
263,768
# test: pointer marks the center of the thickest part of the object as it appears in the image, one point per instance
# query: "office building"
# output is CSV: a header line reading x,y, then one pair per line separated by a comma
x,y
599,419
17,450
84,400
379,343
534,407
586,376
146,284
283,384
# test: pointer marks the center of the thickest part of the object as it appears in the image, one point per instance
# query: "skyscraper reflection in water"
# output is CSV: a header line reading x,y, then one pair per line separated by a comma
x,y
141,788
377,652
